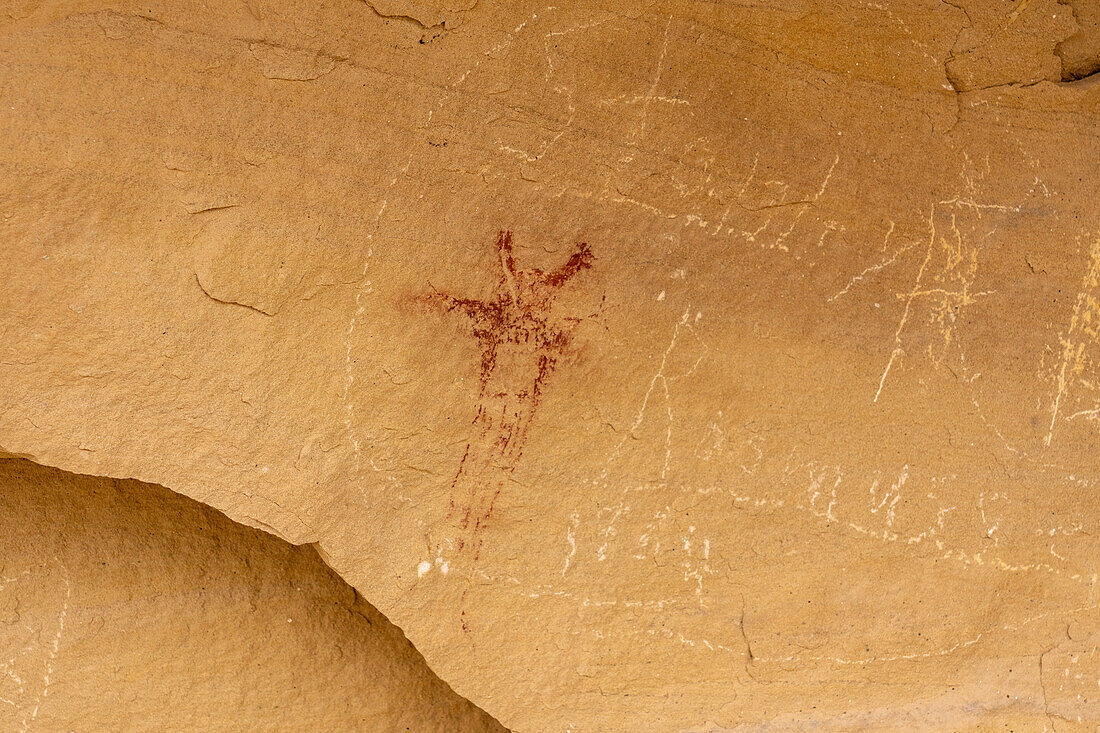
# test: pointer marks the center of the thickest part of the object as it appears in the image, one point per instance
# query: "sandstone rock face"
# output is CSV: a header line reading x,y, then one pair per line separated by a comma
x,y
124,606
675,366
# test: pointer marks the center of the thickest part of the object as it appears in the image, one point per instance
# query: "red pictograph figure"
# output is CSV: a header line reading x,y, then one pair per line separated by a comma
x,y
520,342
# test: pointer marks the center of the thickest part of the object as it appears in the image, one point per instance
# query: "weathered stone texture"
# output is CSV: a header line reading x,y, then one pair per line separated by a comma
x,y
807,439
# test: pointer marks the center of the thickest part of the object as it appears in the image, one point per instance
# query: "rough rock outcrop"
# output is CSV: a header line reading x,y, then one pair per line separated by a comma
x,y
652,366
124,606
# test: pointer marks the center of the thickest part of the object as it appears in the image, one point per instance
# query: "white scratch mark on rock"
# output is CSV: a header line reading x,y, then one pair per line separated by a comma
x,y
962,297
1082,332
571,538
662,378
650,94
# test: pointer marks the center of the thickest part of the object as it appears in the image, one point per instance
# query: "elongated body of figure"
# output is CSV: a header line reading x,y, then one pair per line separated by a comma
x,y
520,344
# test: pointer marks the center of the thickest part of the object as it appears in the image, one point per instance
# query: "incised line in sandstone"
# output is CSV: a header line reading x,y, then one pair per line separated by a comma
x,y
662,377
952,277
1083,332
26,705
521,343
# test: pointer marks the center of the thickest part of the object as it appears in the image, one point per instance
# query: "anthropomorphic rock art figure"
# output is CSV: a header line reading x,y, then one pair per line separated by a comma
x,y
521,341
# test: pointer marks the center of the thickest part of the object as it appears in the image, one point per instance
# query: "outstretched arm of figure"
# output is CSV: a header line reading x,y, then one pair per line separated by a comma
x,y
467,306
581,259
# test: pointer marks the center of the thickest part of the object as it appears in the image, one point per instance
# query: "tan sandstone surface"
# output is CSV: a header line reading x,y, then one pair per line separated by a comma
x,y
653,366
124,606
